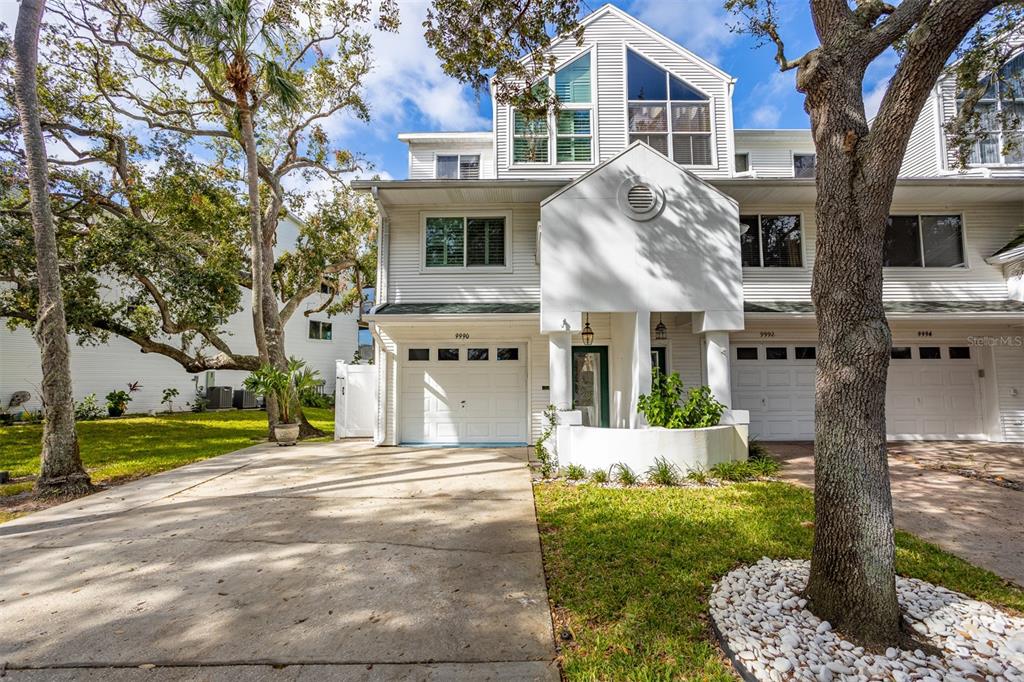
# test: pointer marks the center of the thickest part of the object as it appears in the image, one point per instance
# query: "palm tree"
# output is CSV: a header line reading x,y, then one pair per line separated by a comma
x,y
60,470
230,38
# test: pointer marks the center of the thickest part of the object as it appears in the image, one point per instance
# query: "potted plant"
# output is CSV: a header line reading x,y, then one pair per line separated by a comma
x,y
117,403
268,381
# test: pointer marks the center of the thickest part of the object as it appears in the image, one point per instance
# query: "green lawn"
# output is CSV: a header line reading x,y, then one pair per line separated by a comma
x,y
629,570
130,447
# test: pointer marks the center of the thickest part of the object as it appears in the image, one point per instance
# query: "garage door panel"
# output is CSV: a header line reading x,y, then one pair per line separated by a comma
x,y
450,402
935,399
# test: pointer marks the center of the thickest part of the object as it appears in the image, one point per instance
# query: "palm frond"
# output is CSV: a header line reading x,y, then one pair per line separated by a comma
x,y
281,86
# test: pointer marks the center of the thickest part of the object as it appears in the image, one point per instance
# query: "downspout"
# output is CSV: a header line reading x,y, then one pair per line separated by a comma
x,y
383,251
379,436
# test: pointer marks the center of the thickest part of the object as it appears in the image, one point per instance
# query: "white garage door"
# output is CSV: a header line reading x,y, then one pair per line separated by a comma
x,y
463,394
933,391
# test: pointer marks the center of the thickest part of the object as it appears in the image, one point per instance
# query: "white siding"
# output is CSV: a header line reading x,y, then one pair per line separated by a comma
x,y
1009,360
609,35
684,347
987,228
409,283
110,366
771,155
923,156
422,157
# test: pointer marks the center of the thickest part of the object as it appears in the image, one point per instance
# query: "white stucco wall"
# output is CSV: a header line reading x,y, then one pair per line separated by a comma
x,y
597,257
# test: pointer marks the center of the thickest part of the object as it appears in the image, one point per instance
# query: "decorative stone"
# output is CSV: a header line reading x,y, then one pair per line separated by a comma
x,y
763,619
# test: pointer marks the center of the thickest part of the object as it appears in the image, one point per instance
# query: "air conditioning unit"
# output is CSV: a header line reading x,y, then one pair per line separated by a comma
x,y
218,398
245,400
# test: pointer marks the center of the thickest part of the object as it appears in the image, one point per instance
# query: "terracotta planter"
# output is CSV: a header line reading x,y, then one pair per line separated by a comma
x,y
286,434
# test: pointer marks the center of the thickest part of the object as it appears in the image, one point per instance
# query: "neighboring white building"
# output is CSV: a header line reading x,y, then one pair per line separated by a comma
x,y
642,215
318,339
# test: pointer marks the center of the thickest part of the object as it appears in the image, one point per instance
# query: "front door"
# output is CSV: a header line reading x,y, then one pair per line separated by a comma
x,y
590,384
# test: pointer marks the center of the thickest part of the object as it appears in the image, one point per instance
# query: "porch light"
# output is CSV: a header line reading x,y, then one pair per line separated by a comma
x,y
587,333
660,331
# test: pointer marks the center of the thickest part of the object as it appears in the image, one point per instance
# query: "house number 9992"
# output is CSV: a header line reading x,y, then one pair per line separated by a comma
x,y
462,335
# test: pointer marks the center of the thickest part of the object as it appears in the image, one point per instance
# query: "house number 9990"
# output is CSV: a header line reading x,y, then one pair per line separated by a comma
x,y
462,335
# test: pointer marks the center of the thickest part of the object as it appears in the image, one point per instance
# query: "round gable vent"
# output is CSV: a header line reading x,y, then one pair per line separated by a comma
x,y
640,199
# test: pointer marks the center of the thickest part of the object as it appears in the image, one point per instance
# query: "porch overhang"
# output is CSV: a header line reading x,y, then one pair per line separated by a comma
x,y
441,312
458,192
918,310
938,191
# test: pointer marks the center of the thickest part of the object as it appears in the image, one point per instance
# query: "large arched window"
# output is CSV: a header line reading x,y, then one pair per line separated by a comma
x,y
667,114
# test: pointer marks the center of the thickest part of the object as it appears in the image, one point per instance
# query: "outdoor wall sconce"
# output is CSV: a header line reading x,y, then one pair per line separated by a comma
x,y
587,333
661,331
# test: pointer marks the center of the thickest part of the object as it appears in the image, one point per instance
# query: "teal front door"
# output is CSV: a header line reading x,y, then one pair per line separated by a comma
x,y
590,384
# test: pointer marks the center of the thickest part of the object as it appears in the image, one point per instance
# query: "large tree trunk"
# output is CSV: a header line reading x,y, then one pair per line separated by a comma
x,y
853,580
61,470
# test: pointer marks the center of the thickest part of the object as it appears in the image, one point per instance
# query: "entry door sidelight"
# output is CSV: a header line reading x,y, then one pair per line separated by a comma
x,y
590,384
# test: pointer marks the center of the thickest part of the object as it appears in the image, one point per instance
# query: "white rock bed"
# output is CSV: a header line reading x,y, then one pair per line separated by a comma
x,y
761,618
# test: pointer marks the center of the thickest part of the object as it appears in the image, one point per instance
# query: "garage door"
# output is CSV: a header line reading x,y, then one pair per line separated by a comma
x,y
463,394
933,391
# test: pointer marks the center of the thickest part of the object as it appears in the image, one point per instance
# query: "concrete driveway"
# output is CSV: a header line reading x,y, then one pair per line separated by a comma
x,y
324,561
975,519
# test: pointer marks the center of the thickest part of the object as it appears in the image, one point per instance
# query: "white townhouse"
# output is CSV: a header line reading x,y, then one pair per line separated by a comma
x,y
315,337
557,262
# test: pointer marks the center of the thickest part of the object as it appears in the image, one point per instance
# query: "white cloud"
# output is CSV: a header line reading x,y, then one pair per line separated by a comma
x,y
873,98
766,116
702,26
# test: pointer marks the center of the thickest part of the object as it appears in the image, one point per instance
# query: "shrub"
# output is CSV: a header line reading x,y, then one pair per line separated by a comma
x,y
310,399
664,407
663,472
169,395
200,402
548,460
117,402
624,475
756,448
599,476
698,476
575,472
763,466
88,408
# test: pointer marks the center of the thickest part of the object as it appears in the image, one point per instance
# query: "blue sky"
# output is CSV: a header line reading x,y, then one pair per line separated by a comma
x,y
408,92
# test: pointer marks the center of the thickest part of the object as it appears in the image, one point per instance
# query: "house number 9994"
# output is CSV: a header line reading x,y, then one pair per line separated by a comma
x,y
462,335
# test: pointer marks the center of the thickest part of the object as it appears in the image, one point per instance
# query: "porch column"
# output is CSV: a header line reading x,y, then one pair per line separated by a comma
x,y
641,364
716,359
560,369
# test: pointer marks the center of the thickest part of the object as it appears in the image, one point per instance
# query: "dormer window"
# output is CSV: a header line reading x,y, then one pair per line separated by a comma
x,y
573,125
1001,111
666,113
457,167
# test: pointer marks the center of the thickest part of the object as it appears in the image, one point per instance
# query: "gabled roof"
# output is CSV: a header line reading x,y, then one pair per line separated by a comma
x,y
607,9
1013,251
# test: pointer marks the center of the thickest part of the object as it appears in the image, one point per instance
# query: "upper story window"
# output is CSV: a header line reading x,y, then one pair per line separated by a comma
x,y
930,241
464,242
803,165
667,114
573,125
1001,111
321,331
771,241
457,167
742,162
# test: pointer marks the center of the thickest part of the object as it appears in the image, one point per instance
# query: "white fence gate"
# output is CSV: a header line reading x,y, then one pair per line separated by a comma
x,y
355,402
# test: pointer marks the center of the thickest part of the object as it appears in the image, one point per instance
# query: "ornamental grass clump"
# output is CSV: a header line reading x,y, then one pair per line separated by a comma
x,y
623,475
663,472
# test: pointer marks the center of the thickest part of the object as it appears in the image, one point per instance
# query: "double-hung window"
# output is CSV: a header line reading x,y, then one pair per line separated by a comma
x,y
321,331
459,242
1001,117
667,114
803,165
572,125
930,241
771,241
457,167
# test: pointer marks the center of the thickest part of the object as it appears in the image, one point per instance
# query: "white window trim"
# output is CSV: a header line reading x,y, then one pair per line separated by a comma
x,y
552,161
998,102
712,108
760,246
459,156
920,244
792,159
465,269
